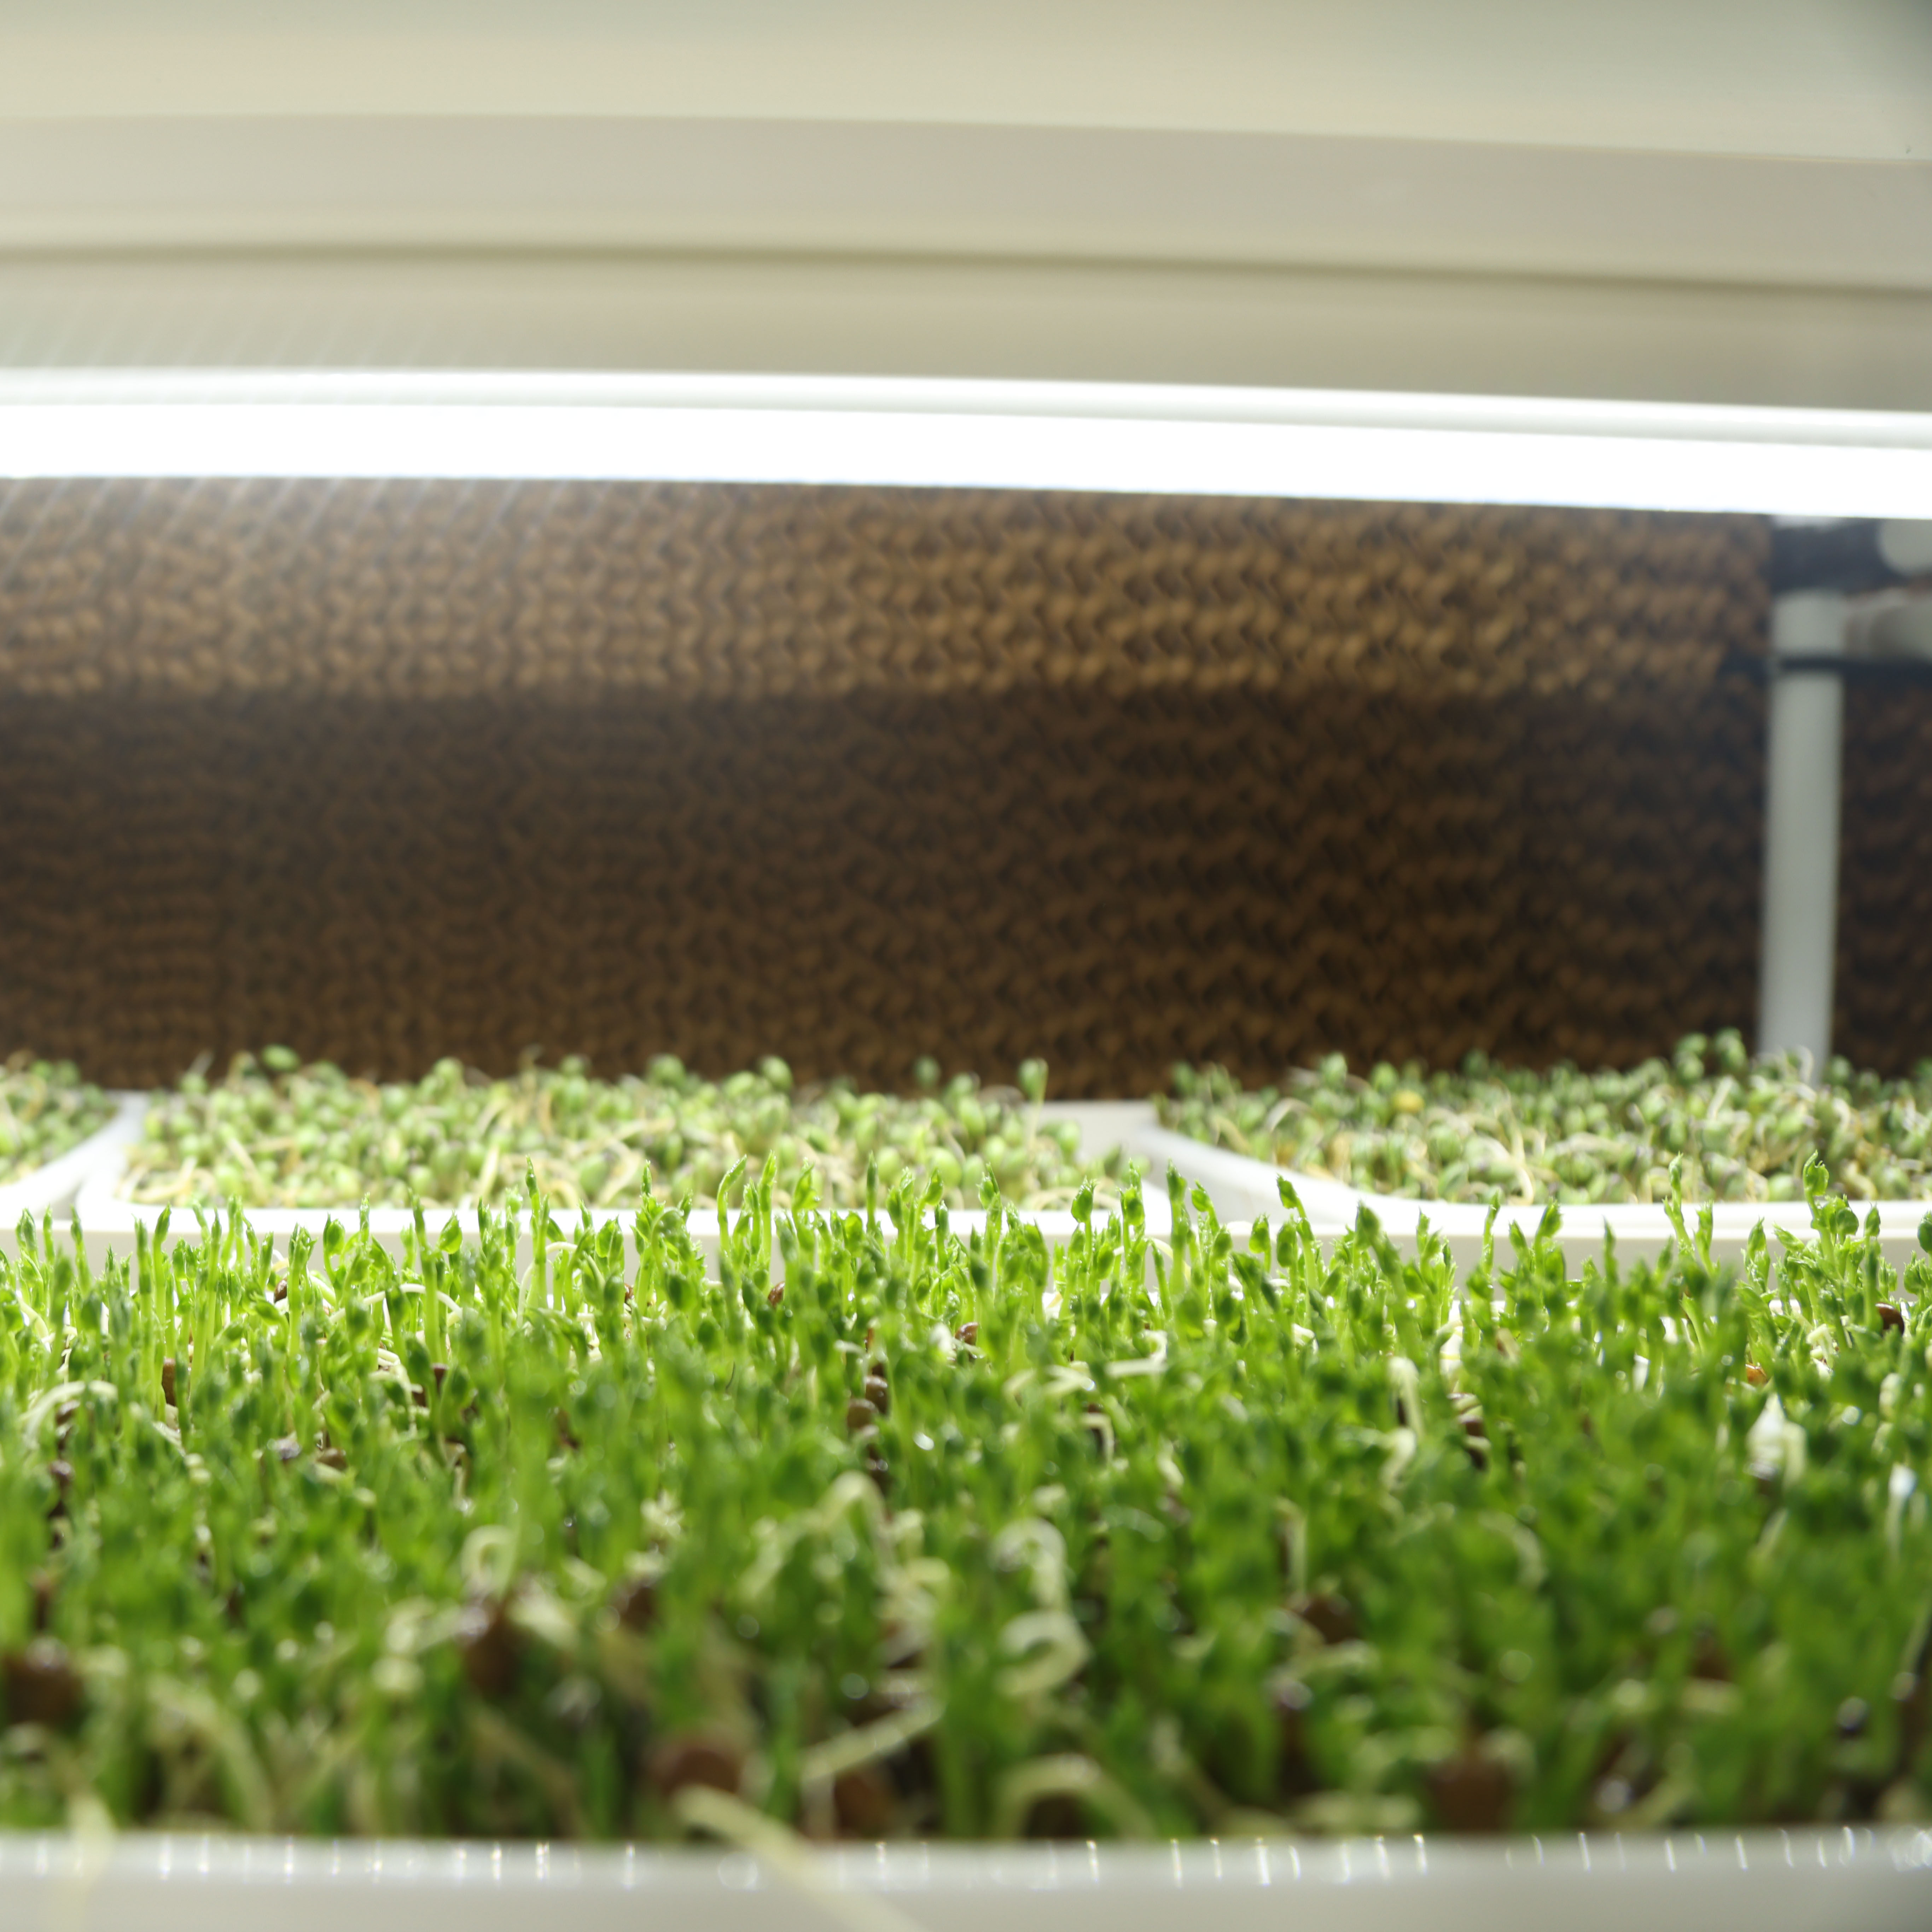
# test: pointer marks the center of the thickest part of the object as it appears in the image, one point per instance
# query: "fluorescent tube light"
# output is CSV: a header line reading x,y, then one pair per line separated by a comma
x,y
1201,442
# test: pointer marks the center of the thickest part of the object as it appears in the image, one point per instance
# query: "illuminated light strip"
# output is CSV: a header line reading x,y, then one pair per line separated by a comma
x,y
994,436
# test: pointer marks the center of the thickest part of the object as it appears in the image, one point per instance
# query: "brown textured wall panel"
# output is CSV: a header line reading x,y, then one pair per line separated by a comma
x,y
389,771
443,590
1884,985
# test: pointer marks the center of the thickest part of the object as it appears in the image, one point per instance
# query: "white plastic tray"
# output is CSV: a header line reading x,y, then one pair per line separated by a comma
x,y
108,1222
52,1187
1807,1881
1242,1188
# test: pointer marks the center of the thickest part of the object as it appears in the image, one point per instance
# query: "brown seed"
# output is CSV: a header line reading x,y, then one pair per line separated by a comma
x,y
864,1802
1295,1773
1755,1376
860,1414
878,1393
168,1381
773,1297
1059,1817
489,1644
696,1758
40,1685
868,1706
635,1602
281,1293
1888,1317
1609,1755
1708,1660
968,1333
332,1458
1470,1793
439,1370
880,1470
1914,1708
1330,1616
62,1472
916,1770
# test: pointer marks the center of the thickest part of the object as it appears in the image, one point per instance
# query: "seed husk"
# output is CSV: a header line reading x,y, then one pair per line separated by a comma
x,y
635,1602
864,1802
1470,1793
698,1759
1331,1616
490,1648
39,1685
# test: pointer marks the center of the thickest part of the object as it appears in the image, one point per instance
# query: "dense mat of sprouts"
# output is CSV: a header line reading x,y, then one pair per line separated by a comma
x,y
906,1534
45,1107
1742,1130
276,1134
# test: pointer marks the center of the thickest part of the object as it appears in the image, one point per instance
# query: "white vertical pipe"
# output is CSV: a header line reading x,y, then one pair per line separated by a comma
x,y
1905,546
1802,758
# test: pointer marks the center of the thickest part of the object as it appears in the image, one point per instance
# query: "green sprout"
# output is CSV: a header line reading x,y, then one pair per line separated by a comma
x,y
45,1107
1742,1128
875,1531
275,1133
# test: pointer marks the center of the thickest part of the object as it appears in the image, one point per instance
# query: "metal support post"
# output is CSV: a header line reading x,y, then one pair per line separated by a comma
x,y
1802,756
1816,570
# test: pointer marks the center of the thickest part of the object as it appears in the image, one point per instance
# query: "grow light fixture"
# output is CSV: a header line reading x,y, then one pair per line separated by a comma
x,y
1027,435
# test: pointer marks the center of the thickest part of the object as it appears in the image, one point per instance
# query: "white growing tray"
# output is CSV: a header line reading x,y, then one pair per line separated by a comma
x,y
108,1222
50,1188
1242,1188
1801,1881
1804,1881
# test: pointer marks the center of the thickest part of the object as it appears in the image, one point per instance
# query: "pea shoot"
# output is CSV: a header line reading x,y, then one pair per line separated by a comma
x,y
45,1107
275,1133
876,1531
1739,1130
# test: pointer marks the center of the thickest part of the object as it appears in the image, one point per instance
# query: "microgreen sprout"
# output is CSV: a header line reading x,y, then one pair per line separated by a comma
x,y
1743,1130
872,1531
45,1107
275,1133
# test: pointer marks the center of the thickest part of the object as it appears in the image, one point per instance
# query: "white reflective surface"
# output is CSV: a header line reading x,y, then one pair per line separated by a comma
x,y
1854,1880
892,433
